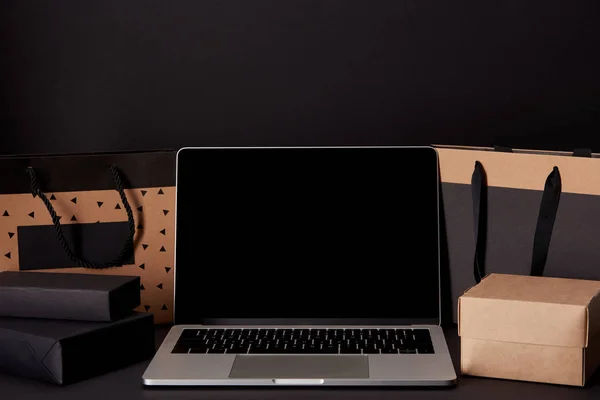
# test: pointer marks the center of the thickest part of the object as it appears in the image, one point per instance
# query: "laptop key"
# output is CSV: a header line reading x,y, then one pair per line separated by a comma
x,y
370,351
201,346
370,346
292,349
389,350
312,349
425,350
370,334
216,351
408,351
387,333
319,333
257,350
193,333
350,350
199,350
237,350
178,349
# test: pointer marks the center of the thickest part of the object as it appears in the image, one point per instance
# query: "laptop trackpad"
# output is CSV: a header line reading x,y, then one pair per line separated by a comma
x,y
300,367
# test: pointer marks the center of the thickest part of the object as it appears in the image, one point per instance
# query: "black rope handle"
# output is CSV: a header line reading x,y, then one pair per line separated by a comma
x,y
127,247
543,229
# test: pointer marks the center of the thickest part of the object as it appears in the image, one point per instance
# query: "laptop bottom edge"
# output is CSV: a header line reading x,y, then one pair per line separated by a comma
x,y
169,368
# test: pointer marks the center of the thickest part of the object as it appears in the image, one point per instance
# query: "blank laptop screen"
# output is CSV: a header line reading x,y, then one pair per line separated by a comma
x,y
307,233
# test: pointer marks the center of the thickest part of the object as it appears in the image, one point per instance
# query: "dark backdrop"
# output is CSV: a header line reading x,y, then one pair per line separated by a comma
x,y
99,75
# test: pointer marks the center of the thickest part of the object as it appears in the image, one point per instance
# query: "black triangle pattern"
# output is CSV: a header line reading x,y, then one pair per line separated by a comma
x,y
161,192
164,307
10,235
159,286
118,207
7,255
164,231
144,192
165,212
74,200
146,308
100,203
140,226
140,208
53,197
167,269
97,222
143,266
142,287
32,214
73,218
145,246
5,214
58,217
162,249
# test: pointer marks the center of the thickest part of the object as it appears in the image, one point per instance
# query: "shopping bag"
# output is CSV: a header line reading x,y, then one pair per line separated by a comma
x,y
518,212
102,213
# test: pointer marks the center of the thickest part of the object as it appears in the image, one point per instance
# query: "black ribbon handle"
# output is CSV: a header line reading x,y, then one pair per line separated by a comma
x,y
544,227
479,194
127,249
545,222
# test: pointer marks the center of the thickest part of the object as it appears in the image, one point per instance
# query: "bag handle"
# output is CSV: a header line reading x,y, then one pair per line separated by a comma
x,y
479,195
545,222
120,259
544,226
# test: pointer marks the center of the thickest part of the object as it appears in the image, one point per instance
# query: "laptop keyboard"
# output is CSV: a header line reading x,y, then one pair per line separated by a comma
x,y
304,341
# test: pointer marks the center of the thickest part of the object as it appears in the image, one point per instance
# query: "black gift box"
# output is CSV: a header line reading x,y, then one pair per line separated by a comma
x,y
63,352
68,296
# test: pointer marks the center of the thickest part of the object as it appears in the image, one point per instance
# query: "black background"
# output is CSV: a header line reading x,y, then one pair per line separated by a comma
x,y
103,75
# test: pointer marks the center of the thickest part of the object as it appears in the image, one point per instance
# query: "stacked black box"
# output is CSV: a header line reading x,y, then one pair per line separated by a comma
x,y
63,328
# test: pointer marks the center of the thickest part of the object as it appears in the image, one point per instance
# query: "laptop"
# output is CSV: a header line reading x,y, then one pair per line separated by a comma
x,y
306,266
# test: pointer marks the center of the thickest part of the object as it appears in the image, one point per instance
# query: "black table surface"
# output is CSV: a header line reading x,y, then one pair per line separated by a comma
x,y
127,384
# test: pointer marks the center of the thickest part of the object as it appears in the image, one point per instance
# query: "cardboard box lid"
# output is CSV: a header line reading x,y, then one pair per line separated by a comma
x,y
533,310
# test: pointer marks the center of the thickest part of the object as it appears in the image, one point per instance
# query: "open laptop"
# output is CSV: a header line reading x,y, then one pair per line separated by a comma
x,y
306,266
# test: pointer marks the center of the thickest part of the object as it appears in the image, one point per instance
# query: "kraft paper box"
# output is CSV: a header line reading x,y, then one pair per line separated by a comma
x,y
527,328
